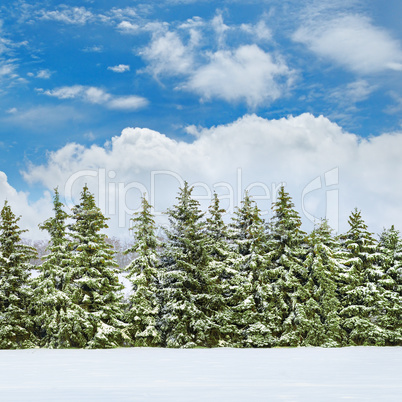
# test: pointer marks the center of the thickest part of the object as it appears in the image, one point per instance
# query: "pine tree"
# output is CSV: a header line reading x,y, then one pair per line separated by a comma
x,y
323,263
185,295
60,322
16,324
249,302
390,247
144,307
361,296
286,251
220,272
94,283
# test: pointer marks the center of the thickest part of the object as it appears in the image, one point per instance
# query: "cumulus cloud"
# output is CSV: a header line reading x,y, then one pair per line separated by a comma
x,y
314,157
128,27
241,73
95,95
167,55
121,68
248,73
31,213
45,74
122,13
353,42
134,28
244,74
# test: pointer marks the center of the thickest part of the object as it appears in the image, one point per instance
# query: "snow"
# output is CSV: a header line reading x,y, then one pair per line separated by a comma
x,y
147,374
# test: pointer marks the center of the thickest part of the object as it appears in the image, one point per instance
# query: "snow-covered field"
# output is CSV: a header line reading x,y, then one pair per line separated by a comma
x,y
141,374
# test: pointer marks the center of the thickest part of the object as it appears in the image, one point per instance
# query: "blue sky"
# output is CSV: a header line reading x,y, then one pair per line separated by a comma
x,y
75,74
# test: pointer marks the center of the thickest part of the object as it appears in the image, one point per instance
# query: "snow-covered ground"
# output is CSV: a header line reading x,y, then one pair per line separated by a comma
x,y
141,374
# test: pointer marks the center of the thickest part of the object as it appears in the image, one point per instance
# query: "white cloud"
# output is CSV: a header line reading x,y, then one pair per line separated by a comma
x,y
128,27
396,107
167,55
45,74
247,73
194,28
352,93
68,15
353,42
260,30
68,92
121,68
127,103
41,118
7,69
133,28
121,13
98,96
296,150
359,91
220,29
31,213
93,49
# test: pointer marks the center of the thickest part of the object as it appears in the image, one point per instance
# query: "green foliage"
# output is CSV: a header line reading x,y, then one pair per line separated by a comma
x,y
60,322
16,324
361,296
390,247
246,284
324,264
286,250
143,311
187,314
93,282
249,300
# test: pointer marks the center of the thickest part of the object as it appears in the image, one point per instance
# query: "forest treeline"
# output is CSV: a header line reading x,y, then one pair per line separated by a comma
x,y
249,283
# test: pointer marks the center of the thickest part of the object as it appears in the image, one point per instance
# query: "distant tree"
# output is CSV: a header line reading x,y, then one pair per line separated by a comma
x,y
93,277
249,301
362,298
16,324
144,308
186,315
286,247
60,322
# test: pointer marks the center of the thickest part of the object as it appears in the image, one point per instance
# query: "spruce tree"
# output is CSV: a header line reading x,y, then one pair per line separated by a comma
x,y
94,283
323,263
144,308
16,324
60,322
220,272
286,250
390,318
361,296
186,316
249,301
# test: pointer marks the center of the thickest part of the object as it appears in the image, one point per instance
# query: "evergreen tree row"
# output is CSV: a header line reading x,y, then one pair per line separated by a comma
x,y
249,283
